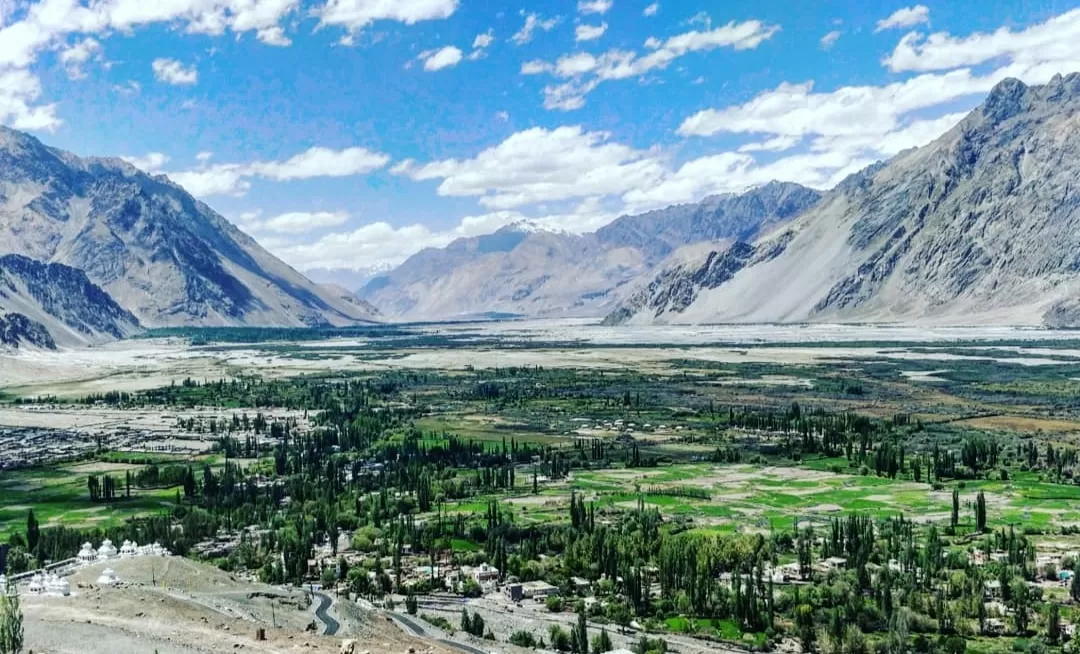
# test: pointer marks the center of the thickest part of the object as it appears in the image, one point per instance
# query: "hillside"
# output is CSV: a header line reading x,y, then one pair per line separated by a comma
x,y
524,270
982,226
49,304
160,253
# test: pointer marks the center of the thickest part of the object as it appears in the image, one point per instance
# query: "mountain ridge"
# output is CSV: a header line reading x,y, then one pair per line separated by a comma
x,y
154,248
983,225
530,271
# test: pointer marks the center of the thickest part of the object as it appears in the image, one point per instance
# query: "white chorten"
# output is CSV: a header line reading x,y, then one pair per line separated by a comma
x,y
55,585
87,555
129,549
106,551
107,578
37,585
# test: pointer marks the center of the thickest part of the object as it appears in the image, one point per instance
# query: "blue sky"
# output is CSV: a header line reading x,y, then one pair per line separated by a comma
x,y
352,133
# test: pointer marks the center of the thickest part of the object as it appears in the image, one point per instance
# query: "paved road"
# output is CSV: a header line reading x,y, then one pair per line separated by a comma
x,y
325,601
418,630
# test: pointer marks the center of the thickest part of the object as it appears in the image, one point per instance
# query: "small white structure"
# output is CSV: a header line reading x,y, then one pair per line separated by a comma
x,y
107,578
86,555
37,584
129,549
106,551
55,585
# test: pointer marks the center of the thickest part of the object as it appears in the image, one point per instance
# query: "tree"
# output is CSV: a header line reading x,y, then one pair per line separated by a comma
x,y
980,512
581,631
955,518
1053,628
33,531
1074,587
410,604
804,623
11,621
523,639
1020,599
602,642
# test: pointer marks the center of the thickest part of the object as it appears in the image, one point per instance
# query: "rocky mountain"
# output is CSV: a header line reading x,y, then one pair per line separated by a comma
x,y
523,270
981,226
159,252
44,304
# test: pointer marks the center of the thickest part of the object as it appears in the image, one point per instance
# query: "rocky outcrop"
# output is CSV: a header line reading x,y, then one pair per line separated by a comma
x,y
16,329
61,301
159,252
981,226
525,271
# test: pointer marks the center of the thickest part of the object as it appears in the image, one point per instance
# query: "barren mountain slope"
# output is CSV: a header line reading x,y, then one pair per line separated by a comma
x,y
49,304
157,251
982,225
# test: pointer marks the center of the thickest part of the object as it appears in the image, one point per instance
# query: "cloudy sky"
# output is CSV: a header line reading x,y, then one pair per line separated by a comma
x,y
352,133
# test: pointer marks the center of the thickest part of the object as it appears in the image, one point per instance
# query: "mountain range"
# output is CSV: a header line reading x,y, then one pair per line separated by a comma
x,y
982,226
525,270
148,246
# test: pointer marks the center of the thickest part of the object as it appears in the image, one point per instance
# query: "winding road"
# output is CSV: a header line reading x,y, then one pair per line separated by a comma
x,y
417,629
321,612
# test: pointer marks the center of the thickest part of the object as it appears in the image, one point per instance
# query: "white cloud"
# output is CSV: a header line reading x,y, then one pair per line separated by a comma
x,y
502,115
652,9
203,157
20,92
173,72
357,14
74,56
906,17
830,39
150,163
775,144
274,36
594,6
442,58
796,110
1056,39
653,43
533,22
589,32
382,245
235,179
535,67
539,165
484,40
585,72
300,222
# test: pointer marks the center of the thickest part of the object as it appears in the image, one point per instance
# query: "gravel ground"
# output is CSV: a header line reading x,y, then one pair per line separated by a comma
x,y
192,609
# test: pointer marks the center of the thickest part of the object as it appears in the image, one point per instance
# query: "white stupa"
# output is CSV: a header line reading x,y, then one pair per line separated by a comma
x,y
3,582
86,555
106,551
107,578
37,585
55,585
129,549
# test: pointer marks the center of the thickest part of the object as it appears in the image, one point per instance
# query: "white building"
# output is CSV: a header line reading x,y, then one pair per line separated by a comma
x,y
108,577
86,555
106,551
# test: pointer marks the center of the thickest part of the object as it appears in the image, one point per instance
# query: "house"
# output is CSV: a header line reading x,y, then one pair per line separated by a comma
x,y
538,590
580,585
484,573
992,588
